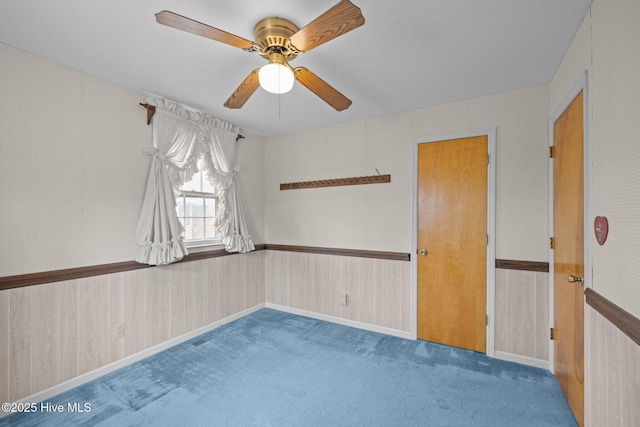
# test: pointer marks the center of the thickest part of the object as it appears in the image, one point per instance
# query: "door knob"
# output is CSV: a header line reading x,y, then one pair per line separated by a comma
x,y
575,279
423,252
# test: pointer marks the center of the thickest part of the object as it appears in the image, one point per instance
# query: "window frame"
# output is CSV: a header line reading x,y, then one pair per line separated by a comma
x,y
181,197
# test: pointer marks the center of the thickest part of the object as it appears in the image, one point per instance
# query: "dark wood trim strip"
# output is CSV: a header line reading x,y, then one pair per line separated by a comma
x,y
394,256
522,265
21,280
626,322
197,256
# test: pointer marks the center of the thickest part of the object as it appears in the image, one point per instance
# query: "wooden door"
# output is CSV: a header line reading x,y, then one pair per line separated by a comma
x,y
568,254
452,242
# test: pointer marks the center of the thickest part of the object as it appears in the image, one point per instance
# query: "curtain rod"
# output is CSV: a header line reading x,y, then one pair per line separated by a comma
x,y
151,110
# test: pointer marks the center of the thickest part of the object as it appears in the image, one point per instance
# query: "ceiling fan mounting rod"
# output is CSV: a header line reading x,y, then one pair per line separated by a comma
x,y
278,58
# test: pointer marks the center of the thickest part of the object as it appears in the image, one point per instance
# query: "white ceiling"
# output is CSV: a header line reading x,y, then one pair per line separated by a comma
x,y
408,54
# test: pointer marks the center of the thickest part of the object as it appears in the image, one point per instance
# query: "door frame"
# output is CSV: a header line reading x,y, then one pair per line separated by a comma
x,y
581,84
490,133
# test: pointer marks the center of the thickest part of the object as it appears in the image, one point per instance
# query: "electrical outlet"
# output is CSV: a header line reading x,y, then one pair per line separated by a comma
x,y
118,330
343,299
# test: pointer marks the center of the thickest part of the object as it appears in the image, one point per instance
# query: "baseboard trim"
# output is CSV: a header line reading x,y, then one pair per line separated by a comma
x,y
89,376
340,321
524,360
509,357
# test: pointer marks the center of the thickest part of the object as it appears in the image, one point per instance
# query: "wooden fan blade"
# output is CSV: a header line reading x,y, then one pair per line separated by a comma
x,y
244,91
323,89
340,19
183,23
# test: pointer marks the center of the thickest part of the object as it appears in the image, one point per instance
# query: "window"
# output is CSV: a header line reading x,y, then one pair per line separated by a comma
x,y
196,207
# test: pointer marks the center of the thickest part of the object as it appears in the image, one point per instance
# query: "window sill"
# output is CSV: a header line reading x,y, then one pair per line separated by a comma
x,y
203,247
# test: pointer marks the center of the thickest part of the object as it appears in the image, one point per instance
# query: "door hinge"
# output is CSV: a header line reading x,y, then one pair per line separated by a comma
x,y
486,320
552,152
552,334
487,159
552,243
487,240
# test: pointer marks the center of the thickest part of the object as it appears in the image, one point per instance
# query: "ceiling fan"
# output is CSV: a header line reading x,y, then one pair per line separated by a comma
x,y
280,41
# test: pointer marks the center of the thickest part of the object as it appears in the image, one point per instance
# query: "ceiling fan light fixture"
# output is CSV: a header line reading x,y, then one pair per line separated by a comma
x,y
281,41
276,76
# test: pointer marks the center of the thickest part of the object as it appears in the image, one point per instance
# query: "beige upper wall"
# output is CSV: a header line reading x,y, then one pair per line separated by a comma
x,y
608,47
359,217
575,62
378,217
250,161
72,172
73,176
51,110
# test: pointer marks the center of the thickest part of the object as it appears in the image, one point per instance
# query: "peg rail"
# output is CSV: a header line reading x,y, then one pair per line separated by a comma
x,y
336,182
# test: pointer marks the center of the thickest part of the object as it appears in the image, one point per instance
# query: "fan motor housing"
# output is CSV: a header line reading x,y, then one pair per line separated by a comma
x,y
271,35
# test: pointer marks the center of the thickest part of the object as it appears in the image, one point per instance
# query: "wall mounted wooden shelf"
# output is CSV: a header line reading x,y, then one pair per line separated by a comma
x,y
336,182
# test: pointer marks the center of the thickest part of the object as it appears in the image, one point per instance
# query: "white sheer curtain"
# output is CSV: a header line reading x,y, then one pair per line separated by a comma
x,y
180,137
220,160
175,153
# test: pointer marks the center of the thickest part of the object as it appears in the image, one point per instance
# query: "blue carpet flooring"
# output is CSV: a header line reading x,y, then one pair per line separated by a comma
x,y
276,369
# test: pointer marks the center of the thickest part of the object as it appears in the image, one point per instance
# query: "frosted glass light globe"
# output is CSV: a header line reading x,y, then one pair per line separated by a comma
x,y
276,78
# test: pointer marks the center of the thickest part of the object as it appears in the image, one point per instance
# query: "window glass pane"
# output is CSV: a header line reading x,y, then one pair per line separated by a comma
x,y
186,224
206,185
194,206
180,206
210,232
194,229
197,212
210,207
194,184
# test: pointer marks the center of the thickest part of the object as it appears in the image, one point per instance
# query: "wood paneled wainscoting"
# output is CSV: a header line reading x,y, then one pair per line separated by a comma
x,y
54,336
522,312
314,281
612,364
